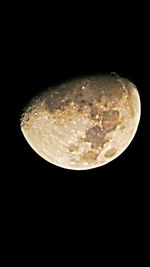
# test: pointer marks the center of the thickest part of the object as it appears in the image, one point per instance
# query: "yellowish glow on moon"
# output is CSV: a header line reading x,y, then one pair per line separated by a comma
x,y
83,123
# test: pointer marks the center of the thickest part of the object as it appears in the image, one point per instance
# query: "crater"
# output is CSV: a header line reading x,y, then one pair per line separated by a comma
x,y
111,152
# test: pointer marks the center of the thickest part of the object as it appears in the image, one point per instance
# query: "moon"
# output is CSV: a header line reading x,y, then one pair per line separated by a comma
x,y
83,123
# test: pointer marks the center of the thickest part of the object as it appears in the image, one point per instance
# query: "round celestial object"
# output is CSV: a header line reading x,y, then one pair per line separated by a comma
x,y
83,123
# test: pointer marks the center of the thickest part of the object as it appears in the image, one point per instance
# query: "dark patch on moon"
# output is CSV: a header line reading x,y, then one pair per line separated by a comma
x,y
110,120
82,93
57,100
114,93
90,156
96,136
111,152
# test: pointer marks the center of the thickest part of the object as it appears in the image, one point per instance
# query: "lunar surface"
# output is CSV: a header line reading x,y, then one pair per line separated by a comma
x,y
83,123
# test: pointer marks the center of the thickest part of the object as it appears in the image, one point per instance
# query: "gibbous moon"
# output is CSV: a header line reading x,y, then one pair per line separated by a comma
x,y
83,123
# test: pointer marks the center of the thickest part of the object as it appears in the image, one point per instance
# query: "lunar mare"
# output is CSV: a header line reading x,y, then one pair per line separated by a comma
x,y
83,123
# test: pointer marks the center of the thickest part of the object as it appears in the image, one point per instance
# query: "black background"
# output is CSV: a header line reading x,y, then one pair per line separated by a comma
x,y
46,49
